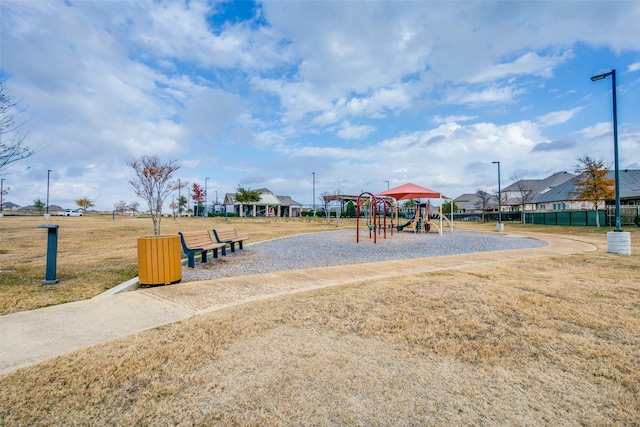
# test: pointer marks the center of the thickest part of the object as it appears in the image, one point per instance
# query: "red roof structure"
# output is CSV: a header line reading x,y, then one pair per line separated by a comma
x,y
411,191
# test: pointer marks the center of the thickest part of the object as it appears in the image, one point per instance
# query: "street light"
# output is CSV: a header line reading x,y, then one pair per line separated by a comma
x,y
179,199
1,195
499,196
612,73
48,176
314,193
205,194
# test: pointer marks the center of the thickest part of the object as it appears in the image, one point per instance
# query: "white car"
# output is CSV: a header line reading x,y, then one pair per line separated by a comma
x,y
69,212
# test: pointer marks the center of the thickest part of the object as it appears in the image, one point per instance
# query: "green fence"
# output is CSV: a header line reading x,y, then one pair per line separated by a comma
x,y
584,218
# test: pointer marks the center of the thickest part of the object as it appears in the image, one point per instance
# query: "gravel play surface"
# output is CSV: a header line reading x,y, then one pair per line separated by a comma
x,y
332,248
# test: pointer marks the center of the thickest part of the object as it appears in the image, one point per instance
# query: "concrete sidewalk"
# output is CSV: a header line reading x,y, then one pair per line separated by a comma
x,y
30,337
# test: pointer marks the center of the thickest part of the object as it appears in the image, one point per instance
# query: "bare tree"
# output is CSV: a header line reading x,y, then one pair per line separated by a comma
x,y
13,146
120,206
483,200
526,192
592,184
134,206
153,183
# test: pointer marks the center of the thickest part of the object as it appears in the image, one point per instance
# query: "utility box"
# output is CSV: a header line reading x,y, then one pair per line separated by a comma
x,y
159,260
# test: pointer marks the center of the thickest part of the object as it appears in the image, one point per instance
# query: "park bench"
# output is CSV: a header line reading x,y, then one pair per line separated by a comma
x,y
229,236
199,241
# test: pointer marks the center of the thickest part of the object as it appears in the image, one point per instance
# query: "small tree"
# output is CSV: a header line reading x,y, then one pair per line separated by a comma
x,y
592,185
84,203
446,207
351,209
120,206
39,205
182,203
153,183
198,196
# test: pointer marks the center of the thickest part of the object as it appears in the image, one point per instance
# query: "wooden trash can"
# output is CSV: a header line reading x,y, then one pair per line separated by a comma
x,y
159,260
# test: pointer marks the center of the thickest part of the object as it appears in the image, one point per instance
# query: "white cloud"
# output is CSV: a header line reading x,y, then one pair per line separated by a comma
x,y
349,131
528,63
558,117
634,67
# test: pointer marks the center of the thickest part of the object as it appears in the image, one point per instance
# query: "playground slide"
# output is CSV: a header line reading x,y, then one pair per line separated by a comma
x,y
400,227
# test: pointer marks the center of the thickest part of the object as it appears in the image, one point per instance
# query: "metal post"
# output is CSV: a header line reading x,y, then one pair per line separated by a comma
x,y
612,73
615,148
314,193
499,195
1,195
52,253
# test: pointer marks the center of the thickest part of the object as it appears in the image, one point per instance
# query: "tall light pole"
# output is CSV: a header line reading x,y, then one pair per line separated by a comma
x,y
499,198
48,179
387,184
205,194
1,195
612,73
314,193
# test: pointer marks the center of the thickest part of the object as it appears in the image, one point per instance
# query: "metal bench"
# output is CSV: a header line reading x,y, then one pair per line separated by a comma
x,y
199,241
229,236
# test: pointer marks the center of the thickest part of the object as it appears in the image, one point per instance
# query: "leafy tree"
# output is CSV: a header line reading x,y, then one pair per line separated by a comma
x,y
446,207
39,205
13,145
246,195
84,203
351,209
182,203
198,195
153,182
120,206
592,184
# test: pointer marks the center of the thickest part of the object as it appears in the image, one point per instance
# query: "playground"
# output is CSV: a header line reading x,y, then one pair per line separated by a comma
x,y
382,212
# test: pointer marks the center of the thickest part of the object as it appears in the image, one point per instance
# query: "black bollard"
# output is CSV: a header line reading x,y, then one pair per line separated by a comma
x,y
52,253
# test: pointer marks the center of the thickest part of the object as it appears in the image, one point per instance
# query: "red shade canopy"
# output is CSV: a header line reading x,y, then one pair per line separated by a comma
x,y
411,191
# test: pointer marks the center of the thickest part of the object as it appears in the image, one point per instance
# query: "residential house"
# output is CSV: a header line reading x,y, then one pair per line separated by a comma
x,y
524,191
472,203
563,196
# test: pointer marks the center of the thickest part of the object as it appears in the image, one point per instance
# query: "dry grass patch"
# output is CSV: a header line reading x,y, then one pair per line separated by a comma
x,y
96,253
550,342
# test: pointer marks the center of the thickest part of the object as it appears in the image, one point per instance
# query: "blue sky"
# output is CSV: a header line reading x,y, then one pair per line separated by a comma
x,y
265,94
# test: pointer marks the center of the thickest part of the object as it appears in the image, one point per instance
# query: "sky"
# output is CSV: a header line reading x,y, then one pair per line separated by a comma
x,y
308,97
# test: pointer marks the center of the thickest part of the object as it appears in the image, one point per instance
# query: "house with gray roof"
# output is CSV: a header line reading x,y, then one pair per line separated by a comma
x,y
524,191
269,205
563,196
